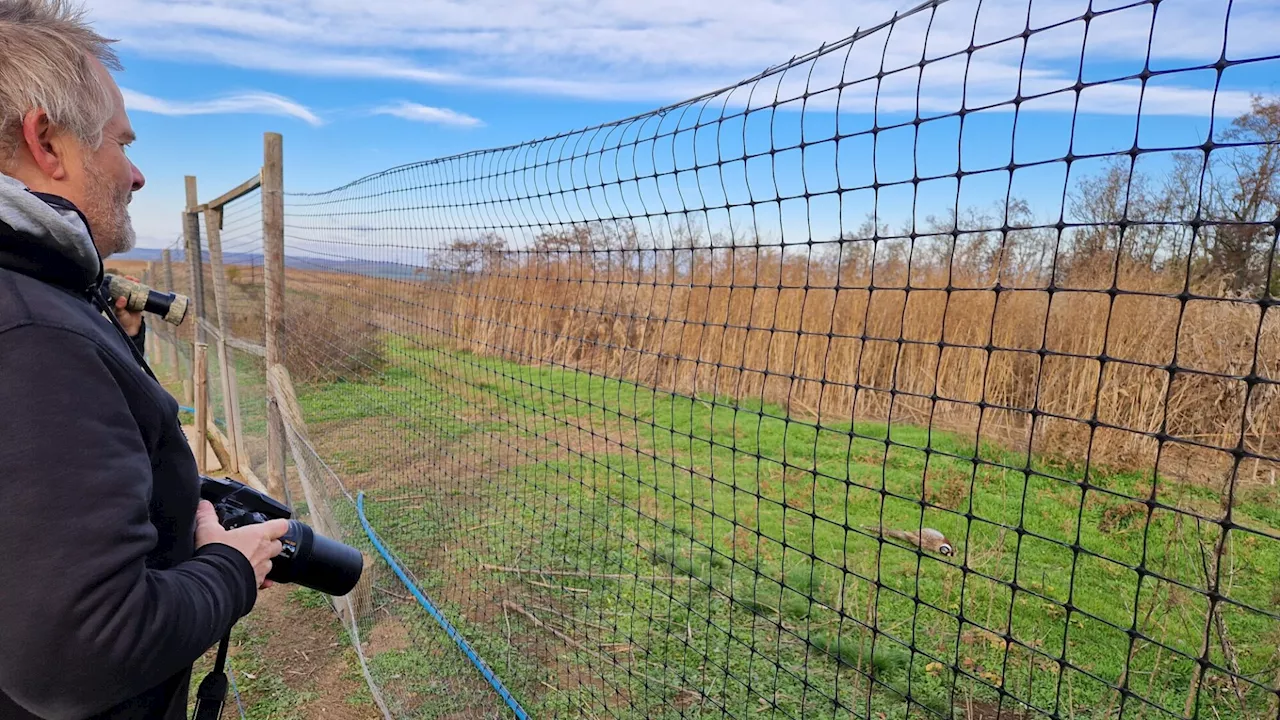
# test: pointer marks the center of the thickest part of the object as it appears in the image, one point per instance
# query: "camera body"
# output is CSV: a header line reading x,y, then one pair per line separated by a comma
x,y
307,559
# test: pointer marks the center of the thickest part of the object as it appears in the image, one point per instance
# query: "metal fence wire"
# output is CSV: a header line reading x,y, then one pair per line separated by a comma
x,y
932,374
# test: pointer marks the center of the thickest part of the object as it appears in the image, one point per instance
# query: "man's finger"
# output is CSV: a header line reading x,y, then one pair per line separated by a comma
x,y
277,528
121,301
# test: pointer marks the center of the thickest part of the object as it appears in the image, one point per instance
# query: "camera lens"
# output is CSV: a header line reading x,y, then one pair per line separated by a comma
x,y
316,561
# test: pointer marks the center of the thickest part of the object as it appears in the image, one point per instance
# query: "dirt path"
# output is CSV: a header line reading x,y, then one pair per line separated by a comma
x,y
291,660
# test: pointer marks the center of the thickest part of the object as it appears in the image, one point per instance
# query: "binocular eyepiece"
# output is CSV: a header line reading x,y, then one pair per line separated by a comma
x,y
170,306
308,559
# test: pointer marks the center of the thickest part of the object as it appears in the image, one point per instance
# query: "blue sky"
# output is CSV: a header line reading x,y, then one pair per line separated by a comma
x,y
359,87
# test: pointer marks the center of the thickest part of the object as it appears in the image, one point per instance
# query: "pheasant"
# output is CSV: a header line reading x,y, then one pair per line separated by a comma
x,y
927,539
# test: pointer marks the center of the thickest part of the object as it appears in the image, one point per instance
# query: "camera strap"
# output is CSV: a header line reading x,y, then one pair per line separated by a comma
x,y
101,303
212,693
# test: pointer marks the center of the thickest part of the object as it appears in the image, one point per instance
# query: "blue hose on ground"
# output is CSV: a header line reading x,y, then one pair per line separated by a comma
x,y
448,628
235,690
184,408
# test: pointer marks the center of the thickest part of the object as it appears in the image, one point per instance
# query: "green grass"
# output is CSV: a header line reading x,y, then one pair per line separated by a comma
x,y
780,592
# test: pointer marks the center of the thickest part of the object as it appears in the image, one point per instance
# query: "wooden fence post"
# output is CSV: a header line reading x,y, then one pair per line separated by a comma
x,y
202,406
191,234
195,255
273,276
230,403
149,340
174,362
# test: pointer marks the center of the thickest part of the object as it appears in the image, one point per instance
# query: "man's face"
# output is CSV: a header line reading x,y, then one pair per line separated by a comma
x,y
106,181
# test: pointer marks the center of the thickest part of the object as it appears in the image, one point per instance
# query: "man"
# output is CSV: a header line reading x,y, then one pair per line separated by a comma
x,y
114,579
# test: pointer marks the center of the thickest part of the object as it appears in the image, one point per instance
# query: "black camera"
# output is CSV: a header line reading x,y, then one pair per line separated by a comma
x,y
170,306
308,559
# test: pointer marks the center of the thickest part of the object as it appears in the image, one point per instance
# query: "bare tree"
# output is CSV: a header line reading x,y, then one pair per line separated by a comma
x,y
1242,188
484,254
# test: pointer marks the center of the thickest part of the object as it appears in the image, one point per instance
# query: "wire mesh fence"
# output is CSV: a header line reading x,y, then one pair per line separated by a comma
x,y
930,374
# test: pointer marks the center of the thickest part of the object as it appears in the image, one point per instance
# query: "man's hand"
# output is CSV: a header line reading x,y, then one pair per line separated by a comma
x,y
131,320
259,543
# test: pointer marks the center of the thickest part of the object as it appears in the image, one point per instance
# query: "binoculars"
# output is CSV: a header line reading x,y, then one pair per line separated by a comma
x,y
170,306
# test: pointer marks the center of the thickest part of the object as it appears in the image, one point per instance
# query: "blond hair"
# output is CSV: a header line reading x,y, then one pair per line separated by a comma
x,y
46,62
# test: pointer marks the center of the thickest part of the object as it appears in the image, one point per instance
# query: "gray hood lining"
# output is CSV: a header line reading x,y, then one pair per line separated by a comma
x,y
59,228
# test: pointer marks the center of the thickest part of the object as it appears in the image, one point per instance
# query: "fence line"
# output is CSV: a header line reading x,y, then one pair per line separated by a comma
x,y
875,385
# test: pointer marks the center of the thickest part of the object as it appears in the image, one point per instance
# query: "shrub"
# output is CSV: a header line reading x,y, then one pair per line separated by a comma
x,y
328,340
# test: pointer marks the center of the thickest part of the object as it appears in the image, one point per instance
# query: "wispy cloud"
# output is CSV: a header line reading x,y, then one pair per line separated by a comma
x,y
667,50
255,103
427,114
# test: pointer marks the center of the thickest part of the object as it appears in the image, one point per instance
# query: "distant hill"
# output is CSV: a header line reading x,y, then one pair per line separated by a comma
x,y
146,254
370,268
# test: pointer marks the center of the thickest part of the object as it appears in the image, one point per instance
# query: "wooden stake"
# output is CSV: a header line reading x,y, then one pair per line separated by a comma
x,y
218,443
230,403
201,381
174,364
281,387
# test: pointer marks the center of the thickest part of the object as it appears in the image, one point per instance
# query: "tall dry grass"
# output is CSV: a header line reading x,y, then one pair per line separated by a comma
x,y
327,337
1104,363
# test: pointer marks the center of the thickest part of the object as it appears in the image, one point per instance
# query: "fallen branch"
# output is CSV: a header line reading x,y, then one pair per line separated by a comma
x,y
537,622
1210,572
571,618
393,594
577,573
1216,614
1124,676
480,527
400,498
558,587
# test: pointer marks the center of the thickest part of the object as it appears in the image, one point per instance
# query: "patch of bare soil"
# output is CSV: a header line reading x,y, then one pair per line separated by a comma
x,y
303,647
389,635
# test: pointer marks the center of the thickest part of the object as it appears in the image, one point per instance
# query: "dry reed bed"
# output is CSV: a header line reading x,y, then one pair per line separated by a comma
x,y
1079,372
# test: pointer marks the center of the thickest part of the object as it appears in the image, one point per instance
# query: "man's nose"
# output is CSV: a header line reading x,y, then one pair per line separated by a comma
x,y
138,179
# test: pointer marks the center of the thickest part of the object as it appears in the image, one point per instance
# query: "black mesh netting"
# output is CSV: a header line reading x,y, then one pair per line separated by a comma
x,y
930,374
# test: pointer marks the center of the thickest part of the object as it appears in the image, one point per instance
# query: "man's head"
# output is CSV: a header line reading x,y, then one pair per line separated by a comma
x,y
63,126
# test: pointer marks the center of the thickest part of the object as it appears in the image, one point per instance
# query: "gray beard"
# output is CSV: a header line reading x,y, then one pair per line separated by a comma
x,y
121,239
118,236
128,238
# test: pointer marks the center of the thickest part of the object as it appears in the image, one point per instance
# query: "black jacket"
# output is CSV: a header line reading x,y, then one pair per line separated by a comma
x,y
104,602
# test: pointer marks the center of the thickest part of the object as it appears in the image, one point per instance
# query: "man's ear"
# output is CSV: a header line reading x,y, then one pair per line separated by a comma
x,y
45,144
